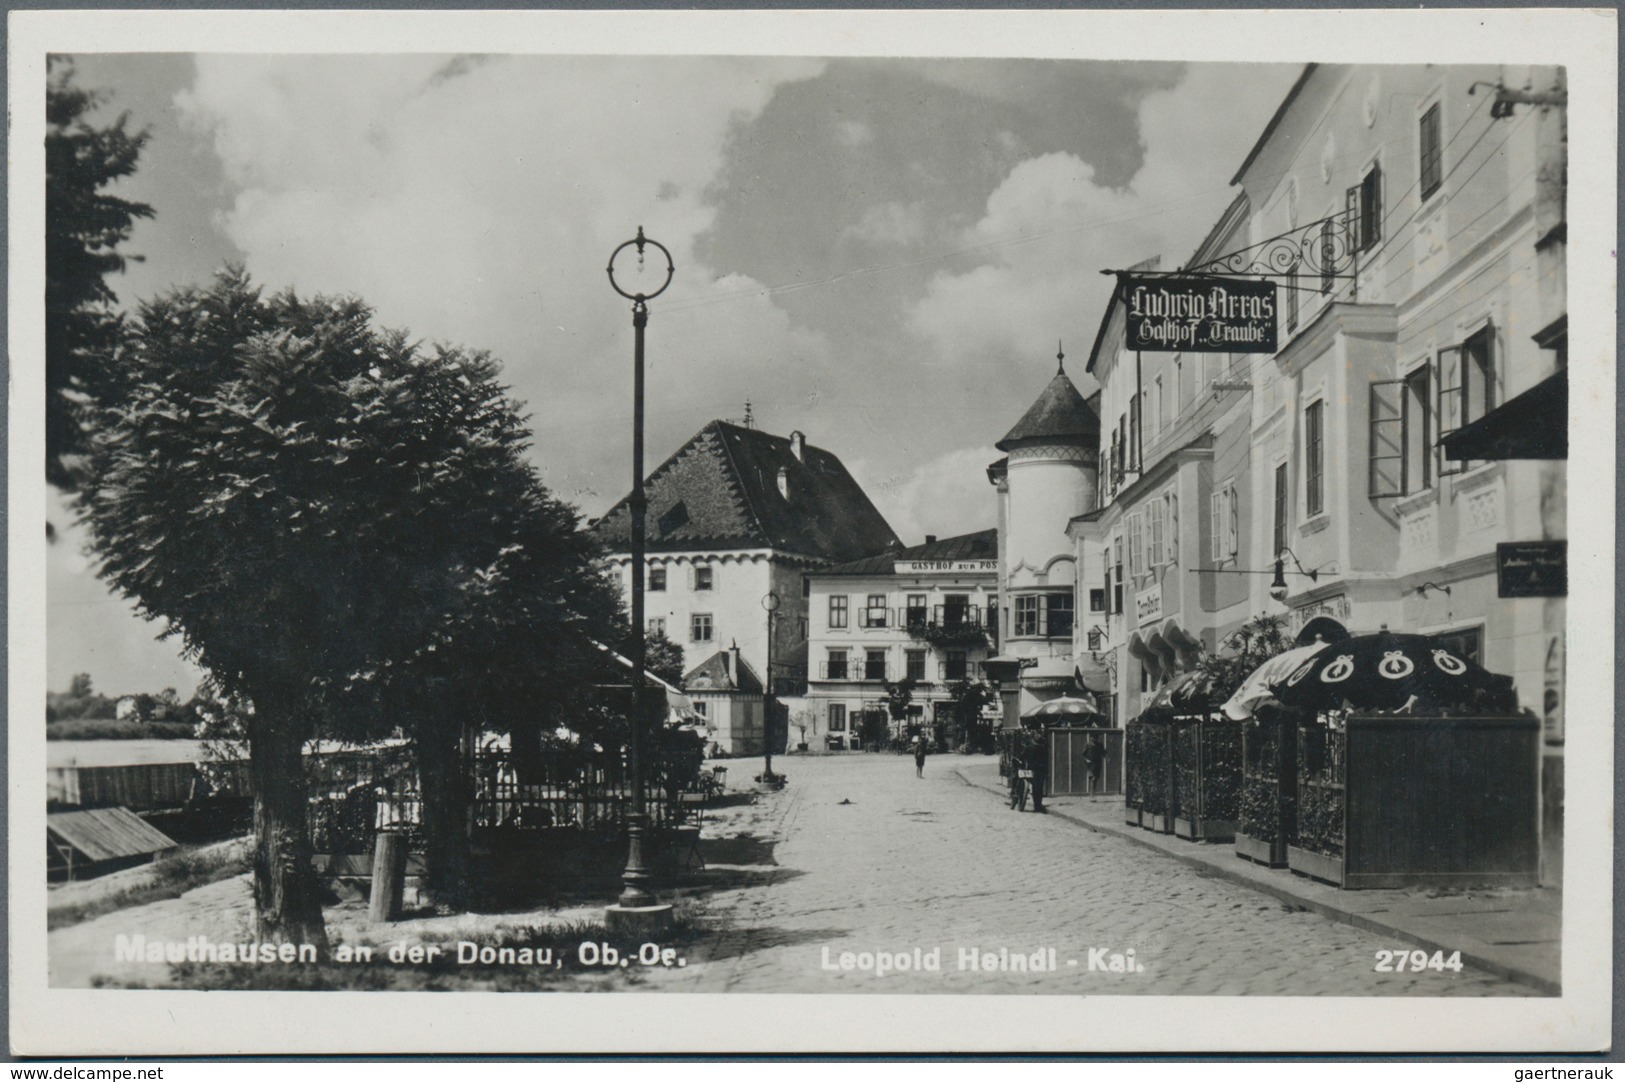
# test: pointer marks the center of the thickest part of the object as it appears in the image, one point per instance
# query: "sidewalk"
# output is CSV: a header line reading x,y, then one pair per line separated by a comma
x,y
1516,934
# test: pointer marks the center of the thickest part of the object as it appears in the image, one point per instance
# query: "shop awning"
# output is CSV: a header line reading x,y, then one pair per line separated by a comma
x,y
1534,424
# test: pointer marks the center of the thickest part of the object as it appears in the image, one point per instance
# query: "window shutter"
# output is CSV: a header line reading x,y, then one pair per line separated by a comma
x,y
1155,555
1171,538
1215,544
1371,207
1351,218
1233,527
1452,383
1386,475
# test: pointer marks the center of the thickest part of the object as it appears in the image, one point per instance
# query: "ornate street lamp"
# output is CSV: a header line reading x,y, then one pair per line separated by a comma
x,y
637,908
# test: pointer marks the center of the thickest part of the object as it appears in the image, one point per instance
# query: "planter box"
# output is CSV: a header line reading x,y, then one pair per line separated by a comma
x,y
1205,778
1267,815
1157,824
1396,801
1270,854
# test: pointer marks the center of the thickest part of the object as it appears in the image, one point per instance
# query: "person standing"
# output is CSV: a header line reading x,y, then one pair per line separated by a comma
x,y
919,756
1038,762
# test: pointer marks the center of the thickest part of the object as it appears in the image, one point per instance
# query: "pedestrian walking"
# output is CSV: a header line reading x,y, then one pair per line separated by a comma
x,y
919,756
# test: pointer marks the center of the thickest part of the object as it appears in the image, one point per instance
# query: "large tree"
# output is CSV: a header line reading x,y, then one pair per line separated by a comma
x,y
84,225
333,520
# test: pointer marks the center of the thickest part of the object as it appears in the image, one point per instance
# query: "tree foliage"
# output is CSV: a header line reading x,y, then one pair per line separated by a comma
x,y
340,527
84,226
1240,655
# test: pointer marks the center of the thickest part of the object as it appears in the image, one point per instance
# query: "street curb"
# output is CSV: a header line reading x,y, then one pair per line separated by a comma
x,y
1283,892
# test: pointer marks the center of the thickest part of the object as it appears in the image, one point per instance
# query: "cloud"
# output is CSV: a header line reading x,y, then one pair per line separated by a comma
x,y
477,203
893,223
945,496
1051,227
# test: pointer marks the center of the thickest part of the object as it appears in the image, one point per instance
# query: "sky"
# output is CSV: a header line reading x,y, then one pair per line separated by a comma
x,y
883,254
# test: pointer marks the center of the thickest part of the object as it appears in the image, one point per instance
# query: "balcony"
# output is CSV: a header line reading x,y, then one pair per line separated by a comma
x,y
852,670
949,625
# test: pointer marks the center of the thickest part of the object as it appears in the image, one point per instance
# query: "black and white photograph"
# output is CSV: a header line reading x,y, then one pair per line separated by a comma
x,y
915,531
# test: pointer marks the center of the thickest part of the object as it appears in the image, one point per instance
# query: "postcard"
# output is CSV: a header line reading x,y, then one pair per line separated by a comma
x,y
768,532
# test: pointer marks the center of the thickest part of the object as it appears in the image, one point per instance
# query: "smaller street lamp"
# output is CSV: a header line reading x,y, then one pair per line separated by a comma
x,y
1278,587
770,602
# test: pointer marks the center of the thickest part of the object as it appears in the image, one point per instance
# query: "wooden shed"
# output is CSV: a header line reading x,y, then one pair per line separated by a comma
x,y
96,841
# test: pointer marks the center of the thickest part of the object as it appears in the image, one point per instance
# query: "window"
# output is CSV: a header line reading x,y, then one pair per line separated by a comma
x,y
1465,643
704,578
837,717
1281,491
1117,584
1364,204
1431,155
835,667
1314,451
956,610
1179,381
1158,419
1027,614
1466,388
1097,599
1224,523
1135,408
915,662
1136,544
1292,298
916,610
837,611
954,667
699,707
874,612
657,579
1418,414
699,627
657,625
1059,614
874,664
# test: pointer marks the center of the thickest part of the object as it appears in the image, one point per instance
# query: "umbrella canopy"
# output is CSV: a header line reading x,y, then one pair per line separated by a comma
x,y
1256,688
1386,671
1067,706
1186,694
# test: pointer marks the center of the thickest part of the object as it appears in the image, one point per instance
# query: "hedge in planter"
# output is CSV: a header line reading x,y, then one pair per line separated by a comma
x,y
1206,757
1267,802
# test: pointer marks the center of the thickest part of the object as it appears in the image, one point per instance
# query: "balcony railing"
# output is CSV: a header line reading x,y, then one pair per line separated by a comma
x,y
860,669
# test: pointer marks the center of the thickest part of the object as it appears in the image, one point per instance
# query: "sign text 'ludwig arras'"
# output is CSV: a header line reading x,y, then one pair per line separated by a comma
x,y
1197,315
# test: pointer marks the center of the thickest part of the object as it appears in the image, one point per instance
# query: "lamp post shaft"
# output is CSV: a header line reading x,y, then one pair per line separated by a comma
x,y
635,892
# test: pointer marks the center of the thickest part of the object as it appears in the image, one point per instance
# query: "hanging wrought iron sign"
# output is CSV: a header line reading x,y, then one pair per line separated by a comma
x,y
1199,315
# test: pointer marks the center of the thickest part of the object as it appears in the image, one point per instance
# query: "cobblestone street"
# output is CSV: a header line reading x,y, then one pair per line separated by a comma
x,y
858,855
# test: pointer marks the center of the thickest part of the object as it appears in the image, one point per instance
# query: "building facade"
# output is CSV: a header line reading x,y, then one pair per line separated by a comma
x,y
1050,473
925,614
735,517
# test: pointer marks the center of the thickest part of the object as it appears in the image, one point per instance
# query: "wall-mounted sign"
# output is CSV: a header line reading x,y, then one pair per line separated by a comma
x,y
1532,568
1338,608
1148,604
1200,315
945,567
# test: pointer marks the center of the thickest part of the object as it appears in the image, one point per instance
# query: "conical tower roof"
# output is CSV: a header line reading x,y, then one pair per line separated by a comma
x,y
1059,415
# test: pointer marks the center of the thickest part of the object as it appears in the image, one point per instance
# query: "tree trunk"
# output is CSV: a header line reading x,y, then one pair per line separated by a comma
x,y
448,799
287,894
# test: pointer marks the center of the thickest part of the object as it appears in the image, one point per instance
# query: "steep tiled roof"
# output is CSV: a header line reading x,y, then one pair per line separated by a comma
x,y
981,545
712,675
1059,414
721,491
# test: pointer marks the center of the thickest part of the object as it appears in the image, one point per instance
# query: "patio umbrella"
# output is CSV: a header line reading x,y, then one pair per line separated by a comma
x,y
1186,694
1256,688
1401,673
1066,707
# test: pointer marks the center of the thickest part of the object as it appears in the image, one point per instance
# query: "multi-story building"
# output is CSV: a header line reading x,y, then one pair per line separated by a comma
x,y
924,614
1050,472
1411,424
1175,495
735,517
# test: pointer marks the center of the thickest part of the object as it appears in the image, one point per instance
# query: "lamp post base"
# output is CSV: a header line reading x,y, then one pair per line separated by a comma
x,y
639,920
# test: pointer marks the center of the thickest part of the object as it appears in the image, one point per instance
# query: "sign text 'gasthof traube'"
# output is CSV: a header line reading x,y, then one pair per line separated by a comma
x,y
1200,315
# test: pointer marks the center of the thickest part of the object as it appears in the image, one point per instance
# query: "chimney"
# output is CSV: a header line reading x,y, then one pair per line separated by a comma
x,y
784,483
733,663
798,445
930,539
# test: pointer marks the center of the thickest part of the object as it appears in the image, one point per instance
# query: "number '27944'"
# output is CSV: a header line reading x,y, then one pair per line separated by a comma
x,y
1415,961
